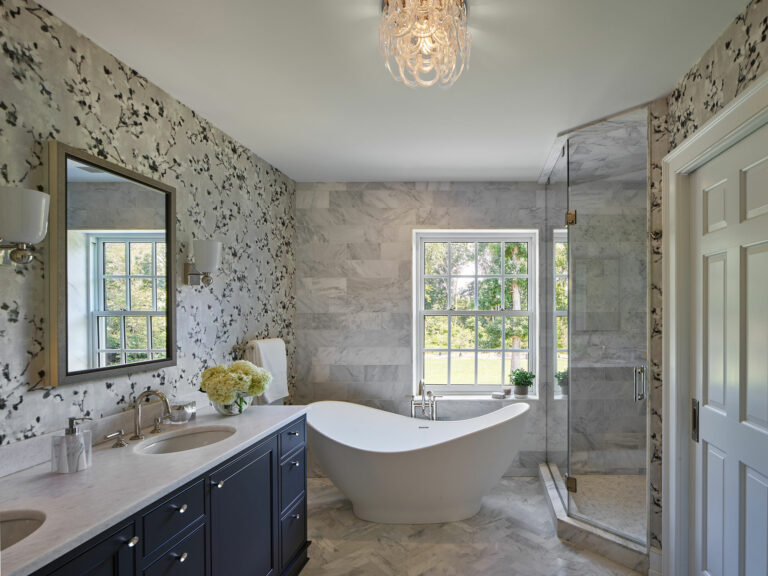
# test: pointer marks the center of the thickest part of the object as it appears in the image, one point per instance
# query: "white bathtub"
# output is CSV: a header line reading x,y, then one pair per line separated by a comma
x,y
401,470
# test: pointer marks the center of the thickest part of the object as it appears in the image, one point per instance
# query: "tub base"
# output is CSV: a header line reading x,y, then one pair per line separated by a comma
x,y
438,515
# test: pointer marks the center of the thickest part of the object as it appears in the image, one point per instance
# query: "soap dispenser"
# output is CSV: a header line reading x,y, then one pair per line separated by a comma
x,y
72,451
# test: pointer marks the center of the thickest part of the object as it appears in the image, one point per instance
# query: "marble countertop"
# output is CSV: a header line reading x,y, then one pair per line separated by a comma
x,y
119,483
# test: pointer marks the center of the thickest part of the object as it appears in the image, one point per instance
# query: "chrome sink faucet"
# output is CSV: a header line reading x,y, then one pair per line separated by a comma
x,y
137,435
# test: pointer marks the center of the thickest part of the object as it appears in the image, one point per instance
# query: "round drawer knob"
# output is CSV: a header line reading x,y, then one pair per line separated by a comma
x,y
295,464
183,557
219,484
296,516
293,433
183,508
133,541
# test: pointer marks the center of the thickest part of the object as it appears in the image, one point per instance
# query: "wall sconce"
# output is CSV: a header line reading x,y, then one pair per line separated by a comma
x,y
206,259
23,221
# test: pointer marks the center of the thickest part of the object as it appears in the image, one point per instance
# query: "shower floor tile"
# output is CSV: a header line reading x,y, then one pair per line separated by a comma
x,y
615,501
512,535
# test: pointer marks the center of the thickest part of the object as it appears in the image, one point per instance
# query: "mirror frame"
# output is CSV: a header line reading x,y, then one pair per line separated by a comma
x,y
58,153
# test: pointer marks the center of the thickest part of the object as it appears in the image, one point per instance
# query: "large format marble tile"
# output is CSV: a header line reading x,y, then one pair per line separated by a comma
x,y
512,535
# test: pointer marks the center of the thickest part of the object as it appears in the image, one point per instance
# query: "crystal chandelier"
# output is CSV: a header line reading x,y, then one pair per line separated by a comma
x,y
425,42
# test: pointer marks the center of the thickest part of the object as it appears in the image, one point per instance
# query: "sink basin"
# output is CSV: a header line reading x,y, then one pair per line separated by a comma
x,y
15,525
185,440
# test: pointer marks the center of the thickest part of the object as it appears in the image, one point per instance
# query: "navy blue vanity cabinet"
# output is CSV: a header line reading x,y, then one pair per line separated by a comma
x,y
293,499
115,555
243,520
245,517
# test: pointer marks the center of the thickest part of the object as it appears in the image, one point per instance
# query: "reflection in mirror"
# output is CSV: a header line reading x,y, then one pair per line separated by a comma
x,y
117,278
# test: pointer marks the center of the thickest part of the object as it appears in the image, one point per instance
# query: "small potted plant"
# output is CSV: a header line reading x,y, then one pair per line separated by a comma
x,y
562,381
523,380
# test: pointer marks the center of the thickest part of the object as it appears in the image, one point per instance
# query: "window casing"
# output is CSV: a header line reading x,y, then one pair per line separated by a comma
x,y
560,304
475,308
128,298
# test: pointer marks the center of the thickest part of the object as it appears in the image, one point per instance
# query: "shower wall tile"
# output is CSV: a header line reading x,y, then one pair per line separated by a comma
x,y
354,291
57,84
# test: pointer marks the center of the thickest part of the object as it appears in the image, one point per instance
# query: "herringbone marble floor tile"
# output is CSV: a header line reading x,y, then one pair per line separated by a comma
x,y
513,535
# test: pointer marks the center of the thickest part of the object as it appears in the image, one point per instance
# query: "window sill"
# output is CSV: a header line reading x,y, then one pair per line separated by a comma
x,y
477,397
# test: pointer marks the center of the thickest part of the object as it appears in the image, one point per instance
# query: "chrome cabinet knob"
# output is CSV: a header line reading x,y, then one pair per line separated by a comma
x,y
295,464
183,557
293,433
296,516
183,508
133,541
219,484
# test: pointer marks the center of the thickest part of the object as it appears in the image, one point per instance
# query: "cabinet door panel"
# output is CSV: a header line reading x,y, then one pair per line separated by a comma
x,y
110,557
244,514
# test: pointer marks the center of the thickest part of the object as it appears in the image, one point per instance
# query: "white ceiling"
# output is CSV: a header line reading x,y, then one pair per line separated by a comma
x,y
302,84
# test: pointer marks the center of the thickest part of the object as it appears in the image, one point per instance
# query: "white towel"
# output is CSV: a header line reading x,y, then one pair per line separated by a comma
x,y
270,354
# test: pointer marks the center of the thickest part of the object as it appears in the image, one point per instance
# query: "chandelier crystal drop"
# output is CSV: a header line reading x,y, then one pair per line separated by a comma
x,y
425,42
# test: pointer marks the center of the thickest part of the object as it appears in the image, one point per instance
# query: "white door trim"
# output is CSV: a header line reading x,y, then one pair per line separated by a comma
x,y
743,116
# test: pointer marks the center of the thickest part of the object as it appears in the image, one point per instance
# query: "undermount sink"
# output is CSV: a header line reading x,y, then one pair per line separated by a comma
x,y
15,525
185,440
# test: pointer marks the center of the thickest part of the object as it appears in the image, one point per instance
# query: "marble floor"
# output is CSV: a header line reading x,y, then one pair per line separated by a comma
x,y
512,535
615,501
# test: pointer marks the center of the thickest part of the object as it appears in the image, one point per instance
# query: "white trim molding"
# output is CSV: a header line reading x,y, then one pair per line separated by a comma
x,y
735,122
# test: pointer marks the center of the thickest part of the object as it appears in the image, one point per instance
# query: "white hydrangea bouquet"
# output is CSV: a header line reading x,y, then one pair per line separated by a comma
x,y
232,388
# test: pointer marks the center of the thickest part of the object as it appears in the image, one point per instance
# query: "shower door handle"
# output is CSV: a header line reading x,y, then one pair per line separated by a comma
x,y
638,373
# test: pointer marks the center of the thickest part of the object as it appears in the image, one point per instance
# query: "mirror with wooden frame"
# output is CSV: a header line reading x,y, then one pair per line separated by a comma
x,y
112,277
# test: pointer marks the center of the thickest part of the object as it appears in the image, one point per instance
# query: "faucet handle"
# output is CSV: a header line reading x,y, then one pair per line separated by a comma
x,y
120,442
156,428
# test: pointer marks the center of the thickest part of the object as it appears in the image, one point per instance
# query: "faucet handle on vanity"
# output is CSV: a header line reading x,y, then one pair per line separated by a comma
x,y
156,428
120,441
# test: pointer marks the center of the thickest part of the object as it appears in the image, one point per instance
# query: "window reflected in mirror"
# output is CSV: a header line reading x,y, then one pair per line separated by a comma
x,y
117,280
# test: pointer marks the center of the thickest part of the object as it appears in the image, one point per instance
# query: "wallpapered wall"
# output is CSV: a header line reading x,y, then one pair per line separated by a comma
x,y
58,84
723,73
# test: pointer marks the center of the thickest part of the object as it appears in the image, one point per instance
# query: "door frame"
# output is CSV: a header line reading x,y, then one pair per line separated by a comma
x,y
743,116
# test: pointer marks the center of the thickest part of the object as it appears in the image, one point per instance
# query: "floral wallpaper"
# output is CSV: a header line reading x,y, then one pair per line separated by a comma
x,y
723,73
57,84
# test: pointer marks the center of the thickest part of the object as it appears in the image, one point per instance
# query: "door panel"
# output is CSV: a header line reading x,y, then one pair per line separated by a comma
x,y
729,313
756,331
714,518
714,330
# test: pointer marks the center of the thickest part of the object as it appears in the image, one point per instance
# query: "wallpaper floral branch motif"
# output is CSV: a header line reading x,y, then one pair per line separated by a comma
x,y
57,84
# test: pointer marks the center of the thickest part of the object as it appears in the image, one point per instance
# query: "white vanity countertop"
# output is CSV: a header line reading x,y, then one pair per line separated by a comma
x,y
119,483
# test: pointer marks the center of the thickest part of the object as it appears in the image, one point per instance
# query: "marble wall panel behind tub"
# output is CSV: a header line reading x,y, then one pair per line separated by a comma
x,y
354,292
58,84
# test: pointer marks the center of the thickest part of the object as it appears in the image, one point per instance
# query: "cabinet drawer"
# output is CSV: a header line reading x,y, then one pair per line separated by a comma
x,y
292,477
173,516
187,558
293,532
292,437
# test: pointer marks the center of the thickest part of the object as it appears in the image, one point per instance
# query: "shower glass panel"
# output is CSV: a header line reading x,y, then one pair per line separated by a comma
x,y
607,324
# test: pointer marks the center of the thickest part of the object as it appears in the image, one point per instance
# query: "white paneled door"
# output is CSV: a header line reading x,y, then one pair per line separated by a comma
x,y
730,360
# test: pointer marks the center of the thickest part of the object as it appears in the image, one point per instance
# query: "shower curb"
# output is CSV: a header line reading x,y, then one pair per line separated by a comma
x,y
580,534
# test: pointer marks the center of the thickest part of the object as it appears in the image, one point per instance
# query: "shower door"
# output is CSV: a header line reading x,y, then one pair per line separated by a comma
x,y
607,325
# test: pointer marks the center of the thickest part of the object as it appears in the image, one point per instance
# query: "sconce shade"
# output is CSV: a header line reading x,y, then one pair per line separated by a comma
x,y
207,255
23,215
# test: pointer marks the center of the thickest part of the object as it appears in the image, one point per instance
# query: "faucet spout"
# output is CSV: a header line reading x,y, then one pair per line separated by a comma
x,y
137,435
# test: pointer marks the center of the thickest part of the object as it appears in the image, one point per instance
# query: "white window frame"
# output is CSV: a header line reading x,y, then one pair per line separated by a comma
x,y
96,277
558,236
421,237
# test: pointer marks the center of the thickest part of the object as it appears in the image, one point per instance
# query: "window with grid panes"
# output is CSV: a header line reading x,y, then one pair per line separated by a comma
x,y
474,308
130,294
560,257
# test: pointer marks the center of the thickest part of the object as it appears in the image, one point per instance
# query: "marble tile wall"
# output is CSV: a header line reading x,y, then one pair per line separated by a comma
x,y
57,84
353,275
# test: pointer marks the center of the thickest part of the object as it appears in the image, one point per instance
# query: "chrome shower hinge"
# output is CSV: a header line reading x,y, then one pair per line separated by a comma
x,y
570,483
570,218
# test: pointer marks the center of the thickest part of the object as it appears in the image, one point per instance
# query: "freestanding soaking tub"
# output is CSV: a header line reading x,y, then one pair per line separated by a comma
x,y
401,470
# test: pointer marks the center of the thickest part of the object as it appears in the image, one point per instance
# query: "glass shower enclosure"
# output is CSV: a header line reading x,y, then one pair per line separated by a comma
x,y
597,446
